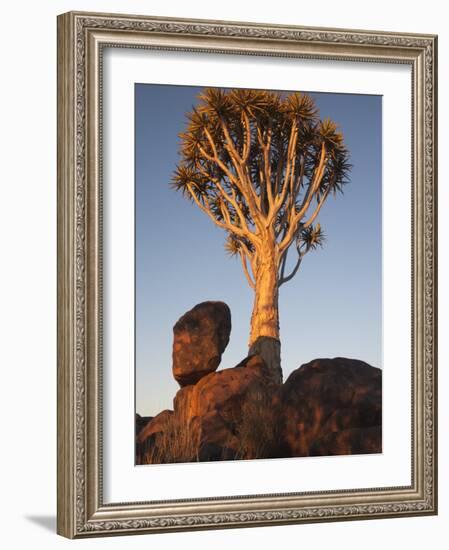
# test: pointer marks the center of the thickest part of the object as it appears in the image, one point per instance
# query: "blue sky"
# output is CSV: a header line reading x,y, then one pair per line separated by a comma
x,y
333,306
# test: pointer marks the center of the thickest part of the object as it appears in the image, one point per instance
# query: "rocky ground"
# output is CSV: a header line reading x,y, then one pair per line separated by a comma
x,y
325,407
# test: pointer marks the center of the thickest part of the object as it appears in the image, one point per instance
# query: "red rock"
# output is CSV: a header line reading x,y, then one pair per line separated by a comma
x,y
221,389
352,441
225,402
200,337
155,426
328,405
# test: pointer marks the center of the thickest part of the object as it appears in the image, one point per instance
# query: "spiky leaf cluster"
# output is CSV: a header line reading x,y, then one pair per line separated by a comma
x,y
310,238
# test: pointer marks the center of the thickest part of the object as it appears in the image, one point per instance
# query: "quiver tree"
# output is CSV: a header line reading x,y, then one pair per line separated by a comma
x,y
261,165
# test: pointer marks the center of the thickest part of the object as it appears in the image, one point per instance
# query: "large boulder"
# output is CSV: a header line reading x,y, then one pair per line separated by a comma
x,y
200,337
236,411
353,441
331,407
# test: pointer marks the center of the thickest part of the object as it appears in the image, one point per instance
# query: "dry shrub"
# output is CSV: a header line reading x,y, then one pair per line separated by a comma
x,y
253,423
177,442
258,430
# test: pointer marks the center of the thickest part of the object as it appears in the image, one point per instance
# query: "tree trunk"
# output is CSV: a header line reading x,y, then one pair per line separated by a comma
x,y
264,338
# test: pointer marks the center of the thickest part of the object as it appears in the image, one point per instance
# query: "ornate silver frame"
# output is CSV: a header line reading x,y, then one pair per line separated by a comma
x,y
81,511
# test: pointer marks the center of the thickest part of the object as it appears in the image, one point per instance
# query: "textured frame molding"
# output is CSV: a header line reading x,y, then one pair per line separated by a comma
x,y
81,37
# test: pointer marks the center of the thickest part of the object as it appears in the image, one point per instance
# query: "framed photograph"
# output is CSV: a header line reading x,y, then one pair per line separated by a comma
x,y
246,274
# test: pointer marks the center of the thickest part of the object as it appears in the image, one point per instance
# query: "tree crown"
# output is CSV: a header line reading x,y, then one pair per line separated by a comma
x,y
261,164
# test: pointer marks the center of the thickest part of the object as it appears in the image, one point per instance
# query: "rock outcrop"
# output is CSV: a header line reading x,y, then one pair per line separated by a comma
x,y
332,406
325,407
353,441
200,337
230,407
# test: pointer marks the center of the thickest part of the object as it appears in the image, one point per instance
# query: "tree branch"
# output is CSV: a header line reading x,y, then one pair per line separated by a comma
x,y
279,171
207,209
247,145
283,263
229,142
245,270
292,196
318,208
313,187
314,184
241,184
290,170
266,171
244,183
231,200
294,272
225,212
